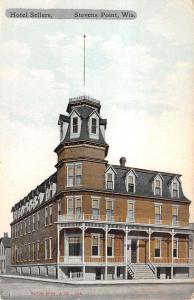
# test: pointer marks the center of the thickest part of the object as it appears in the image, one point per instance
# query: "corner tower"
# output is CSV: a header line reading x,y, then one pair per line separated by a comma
x,y
82,148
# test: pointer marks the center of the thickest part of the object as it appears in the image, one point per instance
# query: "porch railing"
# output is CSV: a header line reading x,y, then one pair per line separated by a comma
x,y
119,219
91,259
168,260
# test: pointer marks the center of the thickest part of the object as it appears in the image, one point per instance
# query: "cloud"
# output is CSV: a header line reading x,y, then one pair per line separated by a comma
x,y
174,21
14,53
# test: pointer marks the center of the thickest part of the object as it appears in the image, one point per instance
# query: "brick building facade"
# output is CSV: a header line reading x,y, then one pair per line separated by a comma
x,y
94,220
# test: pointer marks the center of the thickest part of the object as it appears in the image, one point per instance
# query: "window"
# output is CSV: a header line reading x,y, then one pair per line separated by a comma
x,y
175,193
46,246
50,248
157,247
70,210
75,125
74,246
109,181
131,210
33,251
74,175
38,220
78,206
46,216
33,222
109,210
61,131
38,250
95,245
110,241
131,188
158,217
78,175
94,125
95,209
59,207
29,252
25,227
21,228
50,214
175,210
157,187
29,225
175,248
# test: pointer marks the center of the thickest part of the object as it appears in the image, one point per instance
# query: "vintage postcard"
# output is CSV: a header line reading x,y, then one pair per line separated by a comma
x,y
97,149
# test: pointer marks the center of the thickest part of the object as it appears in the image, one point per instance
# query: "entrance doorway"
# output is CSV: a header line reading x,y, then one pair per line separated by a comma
x,y
98,273
134,251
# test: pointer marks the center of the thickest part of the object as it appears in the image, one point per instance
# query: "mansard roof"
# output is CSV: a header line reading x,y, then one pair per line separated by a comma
x,y
6,241
84,108
144,183
40,188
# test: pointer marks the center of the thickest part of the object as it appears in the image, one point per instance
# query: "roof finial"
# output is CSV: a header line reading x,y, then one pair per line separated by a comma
x,y
84,75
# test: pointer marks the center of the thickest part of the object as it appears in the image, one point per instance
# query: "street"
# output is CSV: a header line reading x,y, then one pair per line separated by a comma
x,y
27,289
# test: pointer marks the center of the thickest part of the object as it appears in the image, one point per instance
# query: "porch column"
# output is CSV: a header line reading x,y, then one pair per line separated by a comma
x,y
58,250
106,235
172,234
115,275
126,258
149,245
83,248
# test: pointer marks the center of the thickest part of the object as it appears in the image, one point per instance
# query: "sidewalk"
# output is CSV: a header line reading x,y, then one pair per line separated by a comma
x,y
103,282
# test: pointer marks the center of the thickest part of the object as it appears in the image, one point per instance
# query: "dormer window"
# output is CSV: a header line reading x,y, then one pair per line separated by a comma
x,y
110,178
110,181
131,184
130,181
175,188
157,185
157,188
94,125
75,125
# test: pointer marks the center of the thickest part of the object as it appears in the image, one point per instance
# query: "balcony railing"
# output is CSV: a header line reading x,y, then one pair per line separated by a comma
x,y
168,260
91,259
120,219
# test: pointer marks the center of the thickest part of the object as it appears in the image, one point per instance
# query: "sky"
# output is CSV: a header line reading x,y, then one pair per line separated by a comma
x,y
141,70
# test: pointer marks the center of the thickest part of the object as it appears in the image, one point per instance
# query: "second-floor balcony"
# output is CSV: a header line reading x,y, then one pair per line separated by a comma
x,y
120,219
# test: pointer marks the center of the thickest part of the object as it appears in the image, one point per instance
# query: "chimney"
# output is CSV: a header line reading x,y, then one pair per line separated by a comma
x,y
5,234
122,161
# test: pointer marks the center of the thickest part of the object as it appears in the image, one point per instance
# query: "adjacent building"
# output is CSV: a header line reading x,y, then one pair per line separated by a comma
x,y
5,254
95,220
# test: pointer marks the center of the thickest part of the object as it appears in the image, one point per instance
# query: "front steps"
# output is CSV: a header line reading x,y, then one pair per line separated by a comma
x,y
142,271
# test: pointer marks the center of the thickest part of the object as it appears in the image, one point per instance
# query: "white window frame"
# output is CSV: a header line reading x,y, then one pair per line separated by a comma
x,y
33,222
132,174
177,242
110,171
46,252
76,199
178,188
109,200
38,220
158,239
75,115
59,207
91,134
160,207
46,217
131,201
67,199
177,209
73,165
98,236
98,207
50,247
38,250
50,214
113,246
158,177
